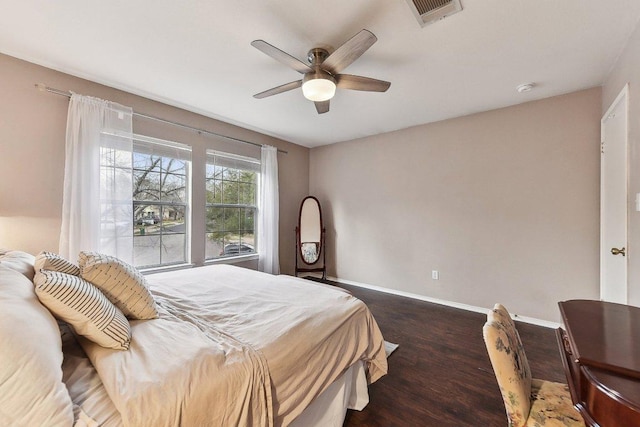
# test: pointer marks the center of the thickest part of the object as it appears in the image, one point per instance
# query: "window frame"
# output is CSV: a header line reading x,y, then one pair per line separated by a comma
x,y
145,145
234,162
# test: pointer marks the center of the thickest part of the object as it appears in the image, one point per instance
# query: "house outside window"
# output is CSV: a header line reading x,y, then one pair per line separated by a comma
x,y
231,192
161,202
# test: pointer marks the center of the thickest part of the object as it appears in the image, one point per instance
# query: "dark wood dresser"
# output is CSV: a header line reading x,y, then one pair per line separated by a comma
x,y
601,356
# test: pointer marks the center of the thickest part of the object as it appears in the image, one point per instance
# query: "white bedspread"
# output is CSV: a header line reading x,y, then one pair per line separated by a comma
x,y
235,347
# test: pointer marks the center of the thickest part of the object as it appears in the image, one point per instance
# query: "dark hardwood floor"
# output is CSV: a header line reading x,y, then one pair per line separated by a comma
x,y
441,375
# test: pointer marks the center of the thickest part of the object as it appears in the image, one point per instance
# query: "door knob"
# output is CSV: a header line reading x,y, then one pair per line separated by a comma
x,y
616,251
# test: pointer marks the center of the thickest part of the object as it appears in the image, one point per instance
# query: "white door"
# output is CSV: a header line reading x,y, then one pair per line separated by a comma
x,y
613,201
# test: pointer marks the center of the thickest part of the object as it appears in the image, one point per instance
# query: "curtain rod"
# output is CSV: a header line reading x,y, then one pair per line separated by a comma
x,y
44,88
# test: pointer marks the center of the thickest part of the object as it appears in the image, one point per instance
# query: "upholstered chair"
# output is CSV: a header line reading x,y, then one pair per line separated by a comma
x,y
529,402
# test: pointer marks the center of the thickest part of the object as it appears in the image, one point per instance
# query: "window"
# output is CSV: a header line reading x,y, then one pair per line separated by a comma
x,y
231,191
161,179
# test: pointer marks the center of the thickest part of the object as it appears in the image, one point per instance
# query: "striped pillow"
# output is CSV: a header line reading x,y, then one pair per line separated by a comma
x,y
122,283
54,262
84,307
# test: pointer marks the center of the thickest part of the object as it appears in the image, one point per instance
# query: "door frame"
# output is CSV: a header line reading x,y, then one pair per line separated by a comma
x,y
624,93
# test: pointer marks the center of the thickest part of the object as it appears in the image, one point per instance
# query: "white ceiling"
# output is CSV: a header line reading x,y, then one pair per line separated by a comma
x,y
197,55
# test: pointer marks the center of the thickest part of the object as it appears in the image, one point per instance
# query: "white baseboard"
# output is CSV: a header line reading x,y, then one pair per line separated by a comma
x,y
483,310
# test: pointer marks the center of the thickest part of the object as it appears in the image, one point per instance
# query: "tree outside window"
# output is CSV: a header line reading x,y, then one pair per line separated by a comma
x,y
160,204
231,189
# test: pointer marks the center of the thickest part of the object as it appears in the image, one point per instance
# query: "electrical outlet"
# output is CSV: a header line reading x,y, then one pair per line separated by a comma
x,y
435,275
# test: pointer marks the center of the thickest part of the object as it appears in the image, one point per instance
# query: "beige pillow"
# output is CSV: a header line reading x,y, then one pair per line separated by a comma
x,y
54,262
122,283
19,261
31,389
84,307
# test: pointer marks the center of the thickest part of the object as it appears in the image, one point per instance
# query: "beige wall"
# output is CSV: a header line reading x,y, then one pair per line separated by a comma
x,y
627,70
504,204
32,132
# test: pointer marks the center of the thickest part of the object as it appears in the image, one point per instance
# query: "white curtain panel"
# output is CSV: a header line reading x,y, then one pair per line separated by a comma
x,y
97,206
268,218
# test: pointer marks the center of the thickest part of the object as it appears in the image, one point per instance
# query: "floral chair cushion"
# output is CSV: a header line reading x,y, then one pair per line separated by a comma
x,y
551,406
528,402
511,368
501,314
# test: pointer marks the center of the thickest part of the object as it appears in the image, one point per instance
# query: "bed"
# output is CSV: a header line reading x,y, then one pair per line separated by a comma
x,y
231,346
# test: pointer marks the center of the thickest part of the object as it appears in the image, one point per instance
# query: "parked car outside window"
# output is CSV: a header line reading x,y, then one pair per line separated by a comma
x,y
148,220
237,249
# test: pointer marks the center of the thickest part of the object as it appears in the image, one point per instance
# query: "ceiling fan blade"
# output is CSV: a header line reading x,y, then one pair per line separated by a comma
x,y
281,56
351,50
279,89
322,107
348,81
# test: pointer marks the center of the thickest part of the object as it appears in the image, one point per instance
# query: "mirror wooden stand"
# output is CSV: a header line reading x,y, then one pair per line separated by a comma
x,y
310,234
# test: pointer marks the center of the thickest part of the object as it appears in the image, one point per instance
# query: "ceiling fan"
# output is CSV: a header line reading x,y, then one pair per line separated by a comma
x,y
321,76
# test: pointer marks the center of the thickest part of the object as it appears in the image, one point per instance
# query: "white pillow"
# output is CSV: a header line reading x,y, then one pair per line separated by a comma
x,y
19,261
122,283
84,307
31,388
50,261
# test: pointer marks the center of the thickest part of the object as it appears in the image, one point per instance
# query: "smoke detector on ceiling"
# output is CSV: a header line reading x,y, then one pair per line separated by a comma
x,y
430,11
525,87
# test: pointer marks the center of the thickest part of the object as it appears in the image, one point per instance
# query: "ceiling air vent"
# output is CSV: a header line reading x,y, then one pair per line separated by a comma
x,y
429,11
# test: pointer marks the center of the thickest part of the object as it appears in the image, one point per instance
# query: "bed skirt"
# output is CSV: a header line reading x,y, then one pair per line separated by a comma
x,y
330,408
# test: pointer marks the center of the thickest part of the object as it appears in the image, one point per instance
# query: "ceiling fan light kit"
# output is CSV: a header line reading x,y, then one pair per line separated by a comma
x,y
319,89
321,76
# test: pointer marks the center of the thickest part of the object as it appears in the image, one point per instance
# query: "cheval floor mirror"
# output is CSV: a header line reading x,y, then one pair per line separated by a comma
x,y
310,234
